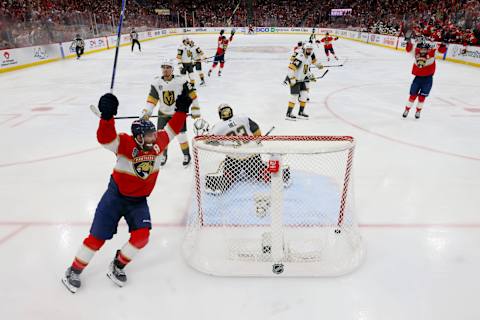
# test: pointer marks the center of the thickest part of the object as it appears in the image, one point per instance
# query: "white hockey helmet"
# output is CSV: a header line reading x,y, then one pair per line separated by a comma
x,y
225,112
185,40
165,62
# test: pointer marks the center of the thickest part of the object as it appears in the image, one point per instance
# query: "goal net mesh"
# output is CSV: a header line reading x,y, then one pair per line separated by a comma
x,y
282,206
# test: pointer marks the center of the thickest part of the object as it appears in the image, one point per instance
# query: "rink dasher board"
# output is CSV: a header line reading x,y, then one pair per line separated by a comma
x,y
20,58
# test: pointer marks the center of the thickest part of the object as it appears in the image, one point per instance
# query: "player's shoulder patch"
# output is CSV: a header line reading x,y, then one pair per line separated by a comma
x,y
297,62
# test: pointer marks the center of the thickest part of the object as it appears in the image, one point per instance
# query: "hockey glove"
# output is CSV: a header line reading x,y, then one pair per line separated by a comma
x,y
232,32
293,81
108,106
183,103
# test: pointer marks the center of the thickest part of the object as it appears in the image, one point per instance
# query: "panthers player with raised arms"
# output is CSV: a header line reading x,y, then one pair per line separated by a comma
x,y
133,179
298,76
230,170
164,91
423,69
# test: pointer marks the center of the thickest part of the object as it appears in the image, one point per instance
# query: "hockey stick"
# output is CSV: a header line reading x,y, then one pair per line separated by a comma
x,y
308,80
119,33
332,66
97,112
207,58
259,140
320,77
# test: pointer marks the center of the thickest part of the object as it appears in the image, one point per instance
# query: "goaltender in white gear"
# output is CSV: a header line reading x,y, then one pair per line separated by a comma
x,y
235,168
164,91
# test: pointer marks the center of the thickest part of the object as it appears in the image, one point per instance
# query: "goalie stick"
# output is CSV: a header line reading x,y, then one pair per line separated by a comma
x,y
259,139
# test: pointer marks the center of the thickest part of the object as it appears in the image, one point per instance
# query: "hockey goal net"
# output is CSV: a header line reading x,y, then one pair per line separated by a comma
x,y
279,206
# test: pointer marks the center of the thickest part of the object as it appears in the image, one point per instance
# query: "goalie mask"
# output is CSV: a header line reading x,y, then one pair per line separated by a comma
x,y
225,112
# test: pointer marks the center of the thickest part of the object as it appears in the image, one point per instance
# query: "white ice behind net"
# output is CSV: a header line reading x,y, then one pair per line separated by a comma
x,y
282,207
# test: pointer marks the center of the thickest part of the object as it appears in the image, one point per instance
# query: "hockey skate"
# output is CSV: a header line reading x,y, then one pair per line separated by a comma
x,y
71,280
116,274
302,115
417,114
202,83
290,116
219,73
186,160
163,159
209,72
405,113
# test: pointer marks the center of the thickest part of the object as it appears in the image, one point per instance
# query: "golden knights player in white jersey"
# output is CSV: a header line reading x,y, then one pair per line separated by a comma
x,y
185,58
298,77
235,167
197,57
164,92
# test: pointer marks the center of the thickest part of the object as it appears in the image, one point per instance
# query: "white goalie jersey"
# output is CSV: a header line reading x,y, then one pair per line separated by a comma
x,y
236,126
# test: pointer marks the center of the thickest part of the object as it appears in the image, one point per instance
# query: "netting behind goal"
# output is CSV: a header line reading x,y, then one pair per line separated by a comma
x,y
282,206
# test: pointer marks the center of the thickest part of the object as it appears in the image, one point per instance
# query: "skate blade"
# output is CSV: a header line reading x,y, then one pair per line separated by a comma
x,y
114,280
302,118
67,285
290,119
186,166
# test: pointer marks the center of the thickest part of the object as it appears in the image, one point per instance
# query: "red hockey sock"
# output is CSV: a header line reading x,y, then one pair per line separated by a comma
x,y
86,252
138,240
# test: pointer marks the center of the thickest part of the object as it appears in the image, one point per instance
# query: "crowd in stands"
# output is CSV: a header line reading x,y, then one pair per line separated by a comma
x,y
28,22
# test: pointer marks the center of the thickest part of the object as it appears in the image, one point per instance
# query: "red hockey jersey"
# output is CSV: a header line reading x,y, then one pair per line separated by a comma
x,y
327,42
136,171
223,44
424,64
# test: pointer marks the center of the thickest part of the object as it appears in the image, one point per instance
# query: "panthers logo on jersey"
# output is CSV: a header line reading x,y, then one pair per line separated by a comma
x,y
168,97
143,165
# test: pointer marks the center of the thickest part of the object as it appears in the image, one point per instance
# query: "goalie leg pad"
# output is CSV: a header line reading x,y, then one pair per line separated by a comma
x,y
216,183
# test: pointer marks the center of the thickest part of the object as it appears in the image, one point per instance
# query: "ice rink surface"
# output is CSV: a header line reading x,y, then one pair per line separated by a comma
x,y
417,188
